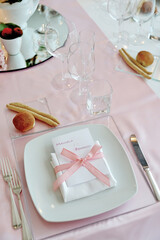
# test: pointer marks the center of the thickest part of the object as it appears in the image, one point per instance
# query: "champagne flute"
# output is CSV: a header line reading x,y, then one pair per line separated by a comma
x,y
144,10
88,36
81,65
59,49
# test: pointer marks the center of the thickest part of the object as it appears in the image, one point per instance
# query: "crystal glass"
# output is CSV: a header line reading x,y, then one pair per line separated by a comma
x,y
155,30
39,43
99,96
144,11
121,10
81,65
88,36
59,49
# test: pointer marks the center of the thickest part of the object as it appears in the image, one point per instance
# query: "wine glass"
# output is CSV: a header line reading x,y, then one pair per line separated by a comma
x,y
144,11
81,65
59,49
121,10
101,4
88,36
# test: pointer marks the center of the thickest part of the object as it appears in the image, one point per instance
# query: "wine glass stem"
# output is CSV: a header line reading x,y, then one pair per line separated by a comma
x,y
63,68
139,28
82,86
68,81
120,28
152,24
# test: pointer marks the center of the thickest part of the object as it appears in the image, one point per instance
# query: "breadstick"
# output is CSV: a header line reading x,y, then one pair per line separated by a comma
x,y
132,65
36,115
17,104
135,62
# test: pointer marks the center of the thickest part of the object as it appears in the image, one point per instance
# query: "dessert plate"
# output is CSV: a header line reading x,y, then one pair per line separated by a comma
x,y
39,104
154,68
40,177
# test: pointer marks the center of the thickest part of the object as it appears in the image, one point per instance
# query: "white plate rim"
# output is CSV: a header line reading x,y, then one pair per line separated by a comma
x,y
61,214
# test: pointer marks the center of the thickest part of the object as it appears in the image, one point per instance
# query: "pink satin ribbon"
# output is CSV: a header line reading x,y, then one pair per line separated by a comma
x,y
77,162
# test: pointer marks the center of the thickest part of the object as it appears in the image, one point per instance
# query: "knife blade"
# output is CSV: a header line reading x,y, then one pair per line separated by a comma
x,y
154,37
145,165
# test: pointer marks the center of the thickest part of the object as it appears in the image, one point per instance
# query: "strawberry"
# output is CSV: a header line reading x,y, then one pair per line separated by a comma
x,y
17,32
7,33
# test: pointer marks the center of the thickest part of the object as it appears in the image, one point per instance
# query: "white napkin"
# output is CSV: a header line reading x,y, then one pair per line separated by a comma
x,y
84,189
82,183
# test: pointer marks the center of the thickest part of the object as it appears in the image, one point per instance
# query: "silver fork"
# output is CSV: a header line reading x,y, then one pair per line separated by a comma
x,y
7,176
17,189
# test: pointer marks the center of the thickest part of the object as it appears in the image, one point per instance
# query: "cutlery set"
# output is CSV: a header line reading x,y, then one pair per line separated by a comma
x,y
11,177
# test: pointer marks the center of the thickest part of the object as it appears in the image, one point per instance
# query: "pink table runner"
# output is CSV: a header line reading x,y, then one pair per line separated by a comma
x,y
135,109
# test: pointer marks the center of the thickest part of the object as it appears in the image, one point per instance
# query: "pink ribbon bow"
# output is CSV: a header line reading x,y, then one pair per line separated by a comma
x,y
77,162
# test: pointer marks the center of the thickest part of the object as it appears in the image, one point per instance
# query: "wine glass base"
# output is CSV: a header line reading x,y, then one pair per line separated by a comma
x,y
121,39
60,83
138,40
78,98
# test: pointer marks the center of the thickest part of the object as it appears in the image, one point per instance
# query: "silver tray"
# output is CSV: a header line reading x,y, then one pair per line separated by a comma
x,y
33,49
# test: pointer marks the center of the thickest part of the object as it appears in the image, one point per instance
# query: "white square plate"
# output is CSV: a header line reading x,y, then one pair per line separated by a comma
x,y
40,176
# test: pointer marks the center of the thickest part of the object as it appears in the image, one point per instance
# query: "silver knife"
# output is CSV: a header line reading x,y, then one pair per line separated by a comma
x,y
145,166
154,37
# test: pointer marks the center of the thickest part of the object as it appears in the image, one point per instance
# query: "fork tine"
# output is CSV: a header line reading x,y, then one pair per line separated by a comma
x,y
13,184
2,169
15,178
9,169
4,165
7,176
18,182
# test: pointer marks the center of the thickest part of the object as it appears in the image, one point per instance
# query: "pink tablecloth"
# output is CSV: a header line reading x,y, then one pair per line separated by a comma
x,y
135,109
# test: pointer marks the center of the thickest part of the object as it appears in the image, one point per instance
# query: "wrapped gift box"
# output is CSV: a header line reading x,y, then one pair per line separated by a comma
x,y
82,183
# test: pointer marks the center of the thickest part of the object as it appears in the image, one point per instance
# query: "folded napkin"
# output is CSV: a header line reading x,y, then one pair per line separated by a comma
x,y
82,183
